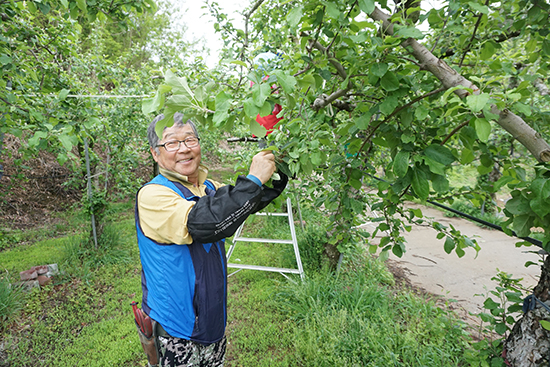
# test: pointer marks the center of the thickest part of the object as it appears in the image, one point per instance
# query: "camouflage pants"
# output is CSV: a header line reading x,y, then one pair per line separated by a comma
x,y
176,352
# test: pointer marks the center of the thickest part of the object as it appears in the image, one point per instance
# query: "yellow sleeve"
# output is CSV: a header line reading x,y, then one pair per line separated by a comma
x,y
163,214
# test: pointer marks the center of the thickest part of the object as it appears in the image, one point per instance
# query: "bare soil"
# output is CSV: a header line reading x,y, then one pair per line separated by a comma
x,y
463,284
31,192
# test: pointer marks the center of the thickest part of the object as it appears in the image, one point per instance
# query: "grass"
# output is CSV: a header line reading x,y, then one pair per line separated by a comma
x,y
358,318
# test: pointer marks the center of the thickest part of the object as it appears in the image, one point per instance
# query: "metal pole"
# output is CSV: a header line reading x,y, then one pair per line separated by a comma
x,y
89,176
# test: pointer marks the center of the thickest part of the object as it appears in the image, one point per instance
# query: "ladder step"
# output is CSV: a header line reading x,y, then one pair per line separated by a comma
x,y
266,268
261,240
273,214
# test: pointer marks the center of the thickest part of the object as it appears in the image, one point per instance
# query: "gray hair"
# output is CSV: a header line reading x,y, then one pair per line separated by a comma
x,y
178,121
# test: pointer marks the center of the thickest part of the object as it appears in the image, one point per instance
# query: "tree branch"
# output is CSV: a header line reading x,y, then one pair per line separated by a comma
x,y
11,104
473,36
339,67
337,33
512,123
246,20
323,100
455,130
501,38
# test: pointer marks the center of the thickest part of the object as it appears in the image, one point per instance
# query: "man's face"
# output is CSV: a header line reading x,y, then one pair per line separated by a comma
x,y
184,161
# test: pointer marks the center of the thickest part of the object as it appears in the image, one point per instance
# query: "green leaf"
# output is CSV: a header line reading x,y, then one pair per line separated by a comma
x,y
476,102
401,163
363,121
325,74
239,62
167,121
479,8
435,166
307,81
522,225
32,7
82,5
420,184
151,105
286,81
545,191
179,85
251,109
223,101
379,69
266,109
389,81
487,51
409,32
421,112
449,245
257,129
62,158
5,59
331,10
317,159
440,184
388,105
260,92
36,138
366,6
483,129
63,93
439,154
66,141
294,15
522,108
545,324
540,207
537,186
356,184
73,12
489,304
467,156
220,117
397,250
518,205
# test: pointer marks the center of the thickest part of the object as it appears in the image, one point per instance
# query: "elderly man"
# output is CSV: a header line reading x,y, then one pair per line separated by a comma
x,y
182,219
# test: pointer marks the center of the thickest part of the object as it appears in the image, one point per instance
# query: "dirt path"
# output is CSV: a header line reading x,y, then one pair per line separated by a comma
x,y
428,266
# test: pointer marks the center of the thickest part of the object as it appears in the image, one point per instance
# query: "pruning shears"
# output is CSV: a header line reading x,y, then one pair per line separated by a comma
x,y
142,320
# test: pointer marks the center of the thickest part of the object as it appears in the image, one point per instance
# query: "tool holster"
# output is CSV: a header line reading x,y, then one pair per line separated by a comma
x,y
149,345
146,328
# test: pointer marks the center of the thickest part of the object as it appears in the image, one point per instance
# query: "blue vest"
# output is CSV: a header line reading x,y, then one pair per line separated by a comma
x,y
184,286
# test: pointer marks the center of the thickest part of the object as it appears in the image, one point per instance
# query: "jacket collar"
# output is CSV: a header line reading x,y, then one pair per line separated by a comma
x,y
174,176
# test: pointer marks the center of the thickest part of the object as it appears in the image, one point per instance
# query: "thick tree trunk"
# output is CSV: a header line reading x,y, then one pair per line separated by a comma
x,y
529,343
450,78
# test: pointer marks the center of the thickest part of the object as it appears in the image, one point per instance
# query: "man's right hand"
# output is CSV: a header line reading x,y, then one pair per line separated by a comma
x,y
263,165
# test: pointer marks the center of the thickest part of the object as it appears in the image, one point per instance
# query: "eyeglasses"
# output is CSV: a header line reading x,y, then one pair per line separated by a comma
x,y
173,145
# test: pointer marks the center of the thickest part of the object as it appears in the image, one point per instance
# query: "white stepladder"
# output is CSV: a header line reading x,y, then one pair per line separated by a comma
x,y
283,271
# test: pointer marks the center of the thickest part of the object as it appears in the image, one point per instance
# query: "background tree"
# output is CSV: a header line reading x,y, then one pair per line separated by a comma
x,y
74,71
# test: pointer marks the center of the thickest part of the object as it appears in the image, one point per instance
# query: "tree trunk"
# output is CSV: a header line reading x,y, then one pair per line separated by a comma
x,y
529,343
331,252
